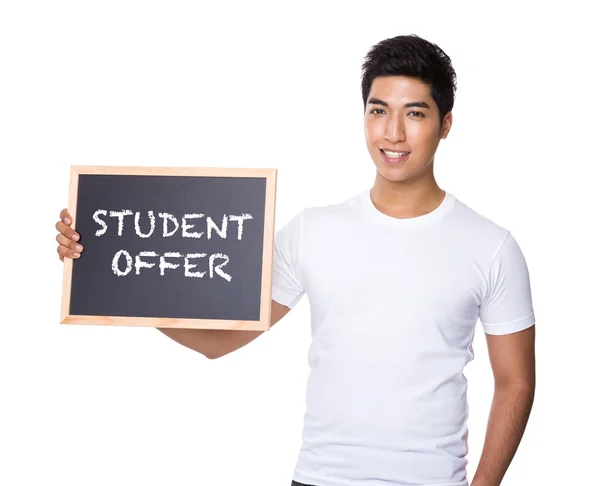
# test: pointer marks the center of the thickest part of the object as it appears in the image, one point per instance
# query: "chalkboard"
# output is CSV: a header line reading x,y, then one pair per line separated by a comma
x,y
171,247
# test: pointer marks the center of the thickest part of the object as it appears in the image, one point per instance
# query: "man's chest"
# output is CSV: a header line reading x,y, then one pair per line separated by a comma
x,y
392,287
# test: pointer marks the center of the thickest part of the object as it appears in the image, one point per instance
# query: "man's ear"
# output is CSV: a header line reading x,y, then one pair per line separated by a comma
x,y
446,124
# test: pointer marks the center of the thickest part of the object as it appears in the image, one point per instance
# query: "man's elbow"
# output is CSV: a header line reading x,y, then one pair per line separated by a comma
x,y
521,387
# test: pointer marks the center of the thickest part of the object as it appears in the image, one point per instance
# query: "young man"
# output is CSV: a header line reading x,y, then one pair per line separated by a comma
x,y
397,277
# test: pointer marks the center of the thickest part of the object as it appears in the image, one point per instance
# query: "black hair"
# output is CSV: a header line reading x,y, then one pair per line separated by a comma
x,y
410,55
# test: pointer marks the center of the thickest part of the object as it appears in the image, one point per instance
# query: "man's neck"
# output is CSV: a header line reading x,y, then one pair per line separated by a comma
x,y
406,200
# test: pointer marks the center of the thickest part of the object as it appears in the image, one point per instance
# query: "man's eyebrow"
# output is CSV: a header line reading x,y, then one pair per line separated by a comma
x,y
418,104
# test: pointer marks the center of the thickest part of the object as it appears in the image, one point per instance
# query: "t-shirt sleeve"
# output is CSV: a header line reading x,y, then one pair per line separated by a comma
x,y
287,287
507,306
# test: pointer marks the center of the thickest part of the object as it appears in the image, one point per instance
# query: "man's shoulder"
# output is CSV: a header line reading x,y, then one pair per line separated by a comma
x,y
479,229
345,210
322,220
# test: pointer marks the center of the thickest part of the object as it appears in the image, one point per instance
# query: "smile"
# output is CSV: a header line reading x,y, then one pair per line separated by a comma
x,y
394,157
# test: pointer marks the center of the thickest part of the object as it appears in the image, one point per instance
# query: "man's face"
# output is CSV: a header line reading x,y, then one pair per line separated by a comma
x,y
393,122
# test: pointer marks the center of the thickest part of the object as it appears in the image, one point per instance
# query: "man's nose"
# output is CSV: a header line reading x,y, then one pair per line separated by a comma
x,y
394,131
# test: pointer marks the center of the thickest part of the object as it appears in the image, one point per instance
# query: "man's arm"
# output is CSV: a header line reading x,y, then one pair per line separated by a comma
x,y
512,357
214,343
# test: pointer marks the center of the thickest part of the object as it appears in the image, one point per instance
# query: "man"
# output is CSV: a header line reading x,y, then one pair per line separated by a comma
x,y
397,277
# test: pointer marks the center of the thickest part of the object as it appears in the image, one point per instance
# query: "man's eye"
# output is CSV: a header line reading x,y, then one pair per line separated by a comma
x,y
376,109
418,113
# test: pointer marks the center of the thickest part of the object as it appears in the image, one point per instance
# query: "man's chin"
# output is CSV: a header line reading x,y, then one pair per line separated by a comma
x,y
393,174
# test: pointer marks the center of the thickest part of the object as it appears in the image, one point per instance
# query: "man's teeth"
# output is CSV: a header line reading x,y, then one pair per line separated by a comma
x,y
394,155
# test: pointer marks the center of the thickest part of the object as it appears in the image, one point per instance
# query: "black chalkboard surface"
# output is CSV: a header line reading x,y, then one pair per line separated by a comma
x,y
171,247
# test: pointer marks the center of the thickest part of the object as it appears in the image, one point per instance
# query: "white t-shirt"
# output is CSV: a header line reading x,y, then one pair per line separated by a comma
x,y
394,305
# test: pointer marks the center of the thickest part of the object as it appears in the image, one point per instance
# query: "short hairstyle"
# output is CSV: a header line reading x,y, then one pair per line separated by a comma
x,y
410,55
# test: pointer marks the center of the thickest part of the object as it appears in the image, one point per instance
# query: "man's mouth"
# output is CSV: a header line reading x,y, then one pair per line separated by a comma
x,y
394,157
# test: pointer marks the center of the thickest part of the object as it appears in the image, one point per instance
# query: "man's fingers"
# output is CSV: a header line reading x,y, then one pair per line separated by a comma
x,y
69,243
65,217
65,251
67,231
67,238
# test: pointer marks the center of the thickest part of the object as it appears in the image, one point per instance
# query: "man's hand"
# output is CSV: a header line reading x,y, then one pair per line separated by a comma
x,y
67,239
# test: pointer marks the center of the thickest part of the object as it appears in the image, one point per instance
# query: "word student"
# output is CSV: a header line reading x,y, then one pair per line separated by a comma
x,y
170,220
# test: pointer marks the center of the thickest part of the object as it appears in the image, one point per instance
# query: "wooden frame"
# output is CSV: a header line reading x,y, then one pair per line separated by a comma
x,y
268,240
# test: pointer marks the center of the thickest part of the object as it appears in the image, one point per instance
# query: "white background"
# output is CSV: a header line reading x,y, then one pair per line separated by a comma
x,y
251,84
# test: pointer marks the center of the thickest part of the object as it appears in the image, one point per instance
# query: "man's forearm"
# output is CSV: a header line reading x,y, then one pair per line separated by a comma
x,y
509,414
